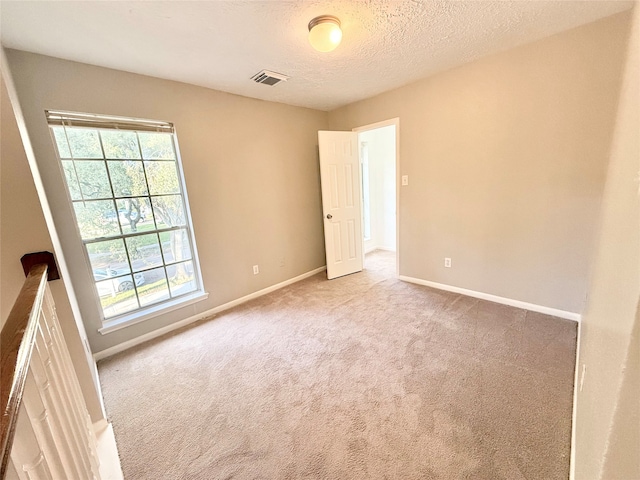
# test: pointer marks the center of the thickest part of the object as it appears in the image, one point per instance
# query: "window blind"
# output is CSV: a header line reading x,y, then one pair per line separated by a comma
x,y
70,119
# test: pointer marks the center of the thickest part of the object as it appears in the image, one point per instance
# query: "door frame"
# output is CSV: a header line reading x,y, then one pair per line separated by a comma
x,y
372,126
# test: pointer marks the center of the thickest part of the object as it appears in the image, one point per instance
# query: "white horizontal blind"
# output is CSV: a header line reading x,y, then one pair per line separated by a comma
x,y
88,120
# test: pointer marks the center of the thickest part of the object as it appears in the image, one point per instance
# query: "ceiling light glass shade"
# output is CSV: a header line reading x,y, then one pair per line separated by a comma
x,y
324,33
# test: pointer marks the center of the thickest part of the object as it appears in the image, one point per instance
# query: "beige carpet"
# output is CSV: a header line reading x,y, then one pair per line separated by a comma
x,y
355,378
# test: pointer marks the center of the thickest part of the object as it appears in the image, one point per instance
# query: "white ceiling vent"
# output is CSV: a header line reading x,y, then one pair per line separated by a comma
x,y
269,78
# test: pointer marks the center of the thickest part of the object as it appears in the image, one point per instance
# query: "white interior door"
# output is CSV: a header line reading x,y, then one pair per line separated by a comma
x,y
341,202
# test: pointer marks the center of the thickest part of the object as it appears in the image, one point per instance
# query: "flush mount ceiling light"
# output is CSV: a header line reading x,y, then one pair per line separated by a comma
x,y
324,33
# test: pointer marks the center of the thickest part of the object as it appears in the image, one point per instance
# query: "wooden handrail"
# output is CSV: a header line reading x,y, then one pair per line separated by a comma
x,y
16,346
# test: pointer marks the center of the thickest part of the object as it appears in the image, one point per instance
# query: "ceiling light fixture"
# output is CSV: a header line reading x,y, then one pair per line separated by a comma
x,y
324,33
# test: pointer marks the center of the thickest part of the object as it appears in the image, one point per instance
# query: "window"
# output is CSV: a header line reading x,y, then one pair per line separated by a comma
x,y
124,181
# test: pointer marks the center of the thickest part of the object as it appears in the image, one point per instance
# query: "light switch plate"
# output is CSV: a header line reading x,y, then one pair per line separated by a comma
x,y
405,180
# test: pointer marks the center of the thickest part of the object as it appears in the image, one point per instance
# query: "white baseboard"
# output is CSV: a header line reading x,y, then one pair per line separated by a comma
x,y
107,451
576,389
200,316
494,298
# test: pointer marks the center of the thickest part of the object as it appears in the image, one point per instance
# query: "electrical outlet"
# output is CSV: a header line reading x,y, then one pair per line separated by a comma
x,y
447,262
256,270
405,180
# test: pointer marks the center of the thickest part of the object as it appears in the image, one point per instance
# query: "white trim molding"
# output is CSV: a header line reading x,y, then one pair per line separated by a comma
x,y
128,320
200,316
107,451
494,298
576,391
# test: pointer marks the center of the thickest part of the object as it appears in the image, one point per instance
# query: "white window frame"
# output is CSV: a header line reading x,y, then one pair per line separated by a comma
x,y
102,122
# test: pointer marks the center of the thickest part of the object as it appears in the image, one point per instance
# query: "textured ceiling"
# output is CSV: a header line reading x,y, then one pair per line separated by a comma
x,y
221,44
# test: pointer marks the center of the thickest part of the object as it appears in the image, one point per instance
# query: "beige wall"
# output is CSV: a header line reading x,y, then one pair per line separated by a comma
x,y
23,230
22,225
250,166
506,160
608,405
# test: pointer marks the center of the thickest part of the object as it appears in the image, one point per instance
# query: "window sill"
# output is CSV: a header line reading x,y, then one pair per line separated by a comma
x,y
151,312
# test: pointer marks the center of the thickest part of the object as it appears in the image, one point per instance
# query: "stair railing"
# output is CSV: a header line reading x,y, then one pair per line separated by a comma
x,y
45,429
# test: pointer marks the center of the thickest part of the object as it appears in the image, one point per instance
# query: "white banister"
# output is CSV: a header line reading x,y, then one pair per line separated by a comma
x,y
61,357
26,454
42,428
54,437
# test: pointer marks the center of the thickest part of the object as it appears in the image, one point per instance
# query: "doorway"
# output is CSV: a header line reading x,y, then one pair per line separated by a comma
x,y
359,184
378,150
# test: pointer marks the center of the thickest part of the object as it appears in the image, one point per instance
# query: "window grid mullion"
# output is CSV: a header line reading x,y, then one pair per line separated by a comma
x,y
147,197
73,162
94,159
164,264
113,195
148,269
87,241
115,205
146,182
133,275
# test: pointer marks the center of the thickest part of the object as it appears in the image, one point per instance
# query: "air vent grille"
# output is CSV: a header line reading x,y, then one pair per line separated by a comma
x,y
269,78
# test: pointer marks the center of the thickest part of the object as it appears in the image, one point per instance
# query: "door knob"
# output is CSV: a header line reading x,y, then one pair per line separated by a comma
x,y
329,216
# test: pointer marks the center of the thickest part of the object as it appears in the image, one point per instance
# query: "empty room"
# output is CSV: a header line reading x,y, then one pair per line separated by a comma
x,y
384,239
